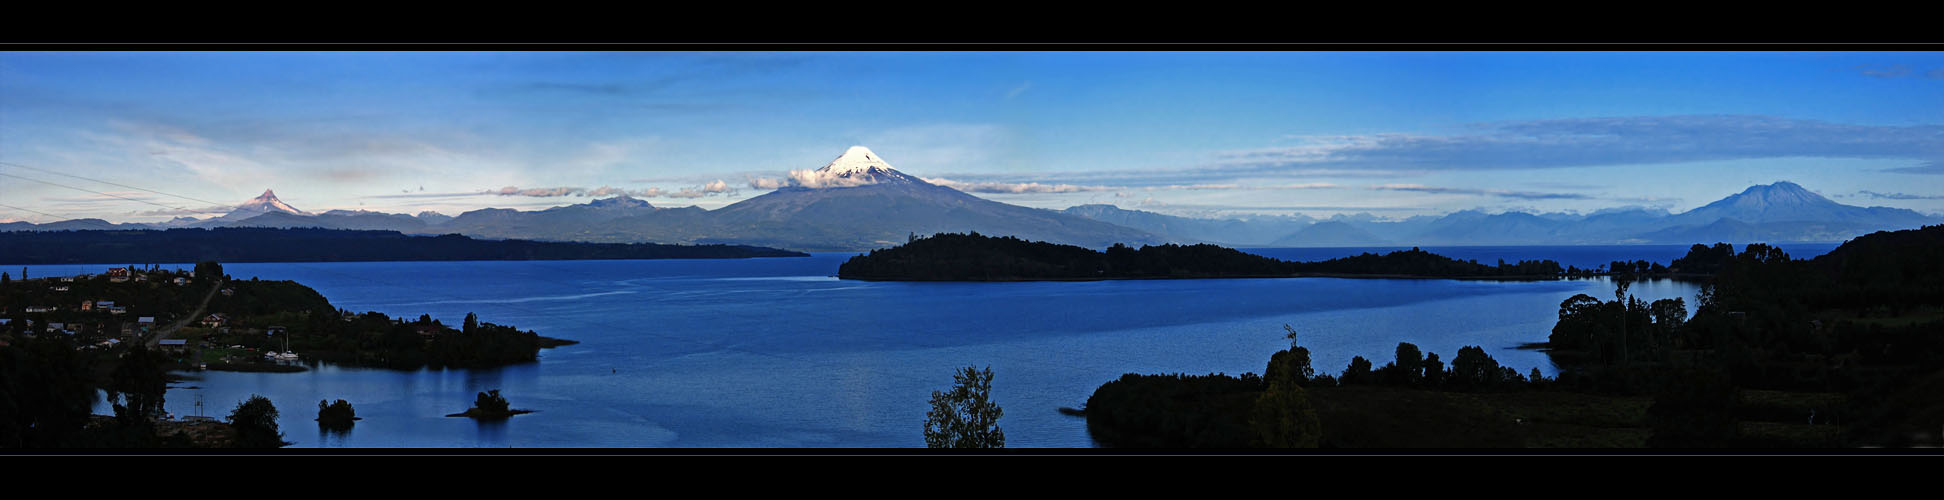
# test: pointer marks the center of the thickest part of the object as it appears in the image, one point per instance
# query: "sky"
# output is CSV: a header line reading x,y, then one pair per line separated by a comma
x,y
147,136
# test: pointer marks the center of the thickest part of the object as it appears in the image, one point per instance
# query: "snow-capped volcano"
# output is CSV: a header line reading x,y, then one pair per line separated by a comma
x,y
262,204
859,202
858,166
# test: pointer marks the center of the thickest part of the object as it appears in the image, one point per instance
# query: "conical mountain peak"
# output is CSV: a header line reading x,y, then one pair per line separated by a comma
x,y
858,166
263,203
856,160
1782,193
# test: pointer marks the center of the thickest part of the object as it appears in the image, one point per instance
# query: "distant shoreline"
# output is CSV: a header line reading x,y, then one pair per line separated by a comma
x,y
1231,276
253,245
1682,277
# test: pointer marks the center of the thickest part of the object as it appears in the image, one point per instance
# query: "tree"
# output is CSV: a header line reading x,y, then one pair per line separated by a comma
x,y
1283,418
1473,368
1434,370
336,416
1620,284
471,324
1358,372
492,403
1409,364
965,417
137,386
255,421
1291,364
208,271
45,393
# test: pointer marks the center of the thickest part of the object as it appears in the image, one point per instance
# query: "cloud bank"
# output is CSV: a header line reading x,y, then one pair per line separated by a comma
x,y
717,187
1016,187
818,179
1523,195
1582,142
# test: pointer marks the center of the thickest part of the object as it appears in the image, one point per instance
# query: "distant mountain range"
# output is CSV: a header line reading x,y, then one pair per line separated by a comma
x,y
859,202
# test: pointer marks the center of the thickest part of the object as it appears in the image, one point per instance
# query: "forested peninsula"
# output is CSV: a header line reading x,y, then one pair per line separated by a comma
x,y
974,257
1839,351
327,245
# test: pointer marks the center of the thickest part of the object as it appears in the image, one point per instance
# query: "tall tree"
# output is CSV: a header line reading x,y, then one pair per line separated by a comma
x,y
255,421
1283,418
1292,364
137,386
1358,372
965,417
1409,364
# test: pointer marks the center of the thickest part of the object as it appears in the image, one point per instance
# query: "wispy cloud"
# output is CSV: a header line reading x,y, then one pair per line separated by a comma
x,y
1242,187
1523,195
717,187
1016,187
1581,142
995,187
766,182
1021,89
1931,168
216,209
429,195
1895,196
1898,71
541,192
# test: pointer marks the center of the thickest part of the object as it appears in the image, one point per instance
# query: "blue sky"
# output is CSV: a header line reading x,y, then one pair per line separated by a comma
x,y
1191,133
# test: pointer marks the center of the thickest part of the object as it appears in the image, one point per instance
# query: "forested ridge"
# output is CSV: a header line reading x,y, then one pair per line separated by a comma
x,y
1843,350
974,257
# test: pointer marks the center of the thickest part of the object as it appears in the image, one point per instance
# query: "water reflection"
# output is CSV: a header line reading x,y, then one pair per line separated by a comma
x,y
328,437
489,433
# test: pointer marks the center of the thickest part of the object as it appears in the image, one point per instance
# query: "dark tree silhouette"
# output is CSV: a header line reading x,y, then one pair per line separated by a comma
x,y
255,421
137,386
1409,366
1283,418
965,416
336,416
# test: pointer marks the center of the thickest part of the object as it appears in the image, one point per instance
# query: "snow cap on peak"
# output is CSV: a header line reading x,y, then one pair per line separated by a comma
x,y
858,166
266,202
857,159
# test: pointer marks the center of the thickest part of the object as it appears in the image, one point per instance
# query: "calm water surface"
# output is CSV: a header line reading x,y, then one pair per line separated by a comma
x,y
778,353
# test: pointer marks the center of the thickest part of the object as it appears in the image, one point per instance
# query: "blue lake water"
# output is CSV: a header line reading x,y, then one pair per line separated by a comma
x,y
778,353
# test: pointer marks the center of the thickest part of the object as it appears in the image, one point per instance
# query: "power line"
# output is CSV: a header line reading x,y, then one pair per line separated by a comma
x,y
95,192
37,169
57,217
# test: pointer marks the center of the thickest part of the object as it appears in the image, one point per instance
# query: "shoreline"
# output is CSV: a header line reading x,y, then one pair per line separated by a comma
x,y
1685,277
340,359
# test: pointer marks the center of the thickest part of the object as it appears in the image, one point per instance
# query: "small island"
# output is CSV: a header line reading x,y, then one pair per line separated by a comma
x,y
490,406
974,257
337,416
